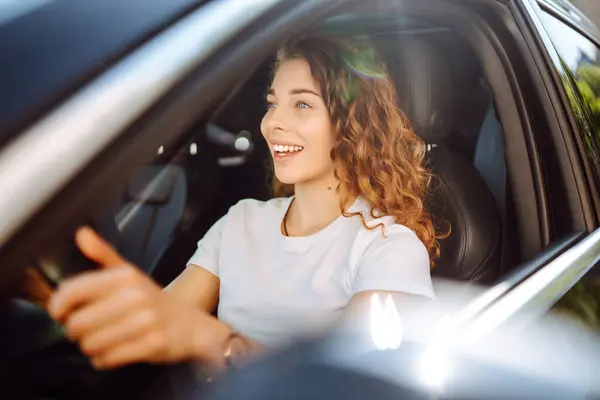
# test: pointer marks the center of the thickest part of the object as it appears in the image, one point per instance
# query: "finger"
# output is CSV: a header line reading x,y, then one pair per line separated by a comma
x,y
36,287
94,316
89,286
112,336
146,349
96,248
34,274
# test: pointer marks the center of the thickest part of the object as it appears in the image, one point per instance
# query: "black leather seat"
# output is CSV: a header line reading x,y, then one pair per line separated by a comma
x,y
154,205
460,196
489,155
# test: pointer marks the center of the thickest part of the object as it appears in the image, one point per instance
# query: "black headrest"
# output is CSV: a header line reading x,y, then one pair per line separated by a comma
x,y
461,198
423,82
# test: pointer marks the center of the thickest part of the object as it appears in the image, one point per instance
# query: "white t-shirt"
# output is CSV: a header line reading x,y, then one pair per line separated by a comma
x,y
275,288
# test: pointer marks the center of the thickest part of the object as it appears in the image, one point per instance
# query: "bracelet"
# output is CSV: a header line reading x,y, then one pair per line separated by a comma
x,y
227,354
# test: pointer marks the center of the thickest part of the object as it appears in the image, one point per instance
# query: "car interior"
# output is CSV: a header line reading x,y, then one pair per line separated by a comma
x,y
169,204
442,90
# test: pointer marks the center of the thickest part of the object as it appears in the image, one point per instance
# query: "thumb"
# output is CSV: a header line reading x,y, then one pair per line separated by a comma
x,y
97,249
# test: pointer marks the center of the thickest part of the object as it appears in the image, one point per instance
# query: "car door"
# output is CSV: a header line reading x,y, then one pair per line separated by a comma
x,y
114,135
137,103
82,148
567,281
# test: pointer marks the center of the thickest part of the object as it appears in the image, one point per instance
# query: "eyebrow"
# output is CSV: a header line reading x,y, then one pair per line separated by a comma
x,y
296,91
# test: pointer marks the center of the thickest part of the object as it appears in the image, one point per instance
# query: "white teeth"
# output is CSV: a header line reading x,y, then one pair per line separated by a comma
x,y
280,148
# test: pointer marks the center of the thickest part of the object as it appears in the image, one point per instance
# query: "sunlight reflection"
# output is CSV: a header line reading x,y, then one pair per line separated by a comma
x,y
386,325
435,366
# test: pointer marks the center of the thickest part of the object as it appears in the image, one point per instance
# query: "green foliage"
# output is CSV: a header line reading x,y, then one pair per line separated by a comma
x,y
586,91
590,74
582,301
595,107
589,87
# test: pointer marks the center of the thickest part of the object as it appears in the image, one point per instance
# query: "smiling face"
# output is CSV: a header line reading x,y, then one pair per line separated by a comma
x,y
297,126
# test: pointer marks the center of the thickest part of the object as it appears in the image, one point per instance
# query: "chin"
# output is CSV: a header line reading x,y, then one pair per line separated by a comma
x,y
287,177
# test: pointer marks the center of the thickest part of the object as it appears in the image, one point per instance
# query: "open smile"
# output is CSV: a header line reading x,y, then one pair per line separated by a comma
x,y
282,152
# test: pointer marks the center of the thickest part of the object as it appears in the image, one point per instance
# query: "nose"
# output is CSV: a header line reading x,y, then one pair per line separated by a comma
x,y
274,120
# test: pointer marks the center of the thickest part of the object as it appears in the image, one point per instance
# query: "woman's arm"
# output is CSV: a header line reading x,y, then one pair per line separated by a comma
x,y
382,319
119,316
366,308
391,277
196,286
199,282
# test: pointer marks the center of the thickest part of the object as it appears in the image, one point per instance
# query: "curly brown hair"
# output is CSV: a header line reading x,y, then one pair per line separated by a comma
x,y
376,153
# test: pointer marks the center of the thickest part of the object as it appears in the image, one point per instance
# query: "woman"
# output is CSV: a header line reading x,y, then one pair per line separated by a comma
x,y
354,226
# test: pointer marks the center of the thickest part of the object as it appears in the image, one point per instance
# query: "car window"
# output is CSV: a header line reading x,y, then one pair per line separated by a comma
x,y
580,57
465,128
227,159
568,10
168,204
581,60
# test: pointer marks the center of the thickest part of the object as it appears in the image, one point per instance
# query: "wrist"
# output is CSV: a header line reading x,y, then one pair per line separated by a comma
x,y
210,340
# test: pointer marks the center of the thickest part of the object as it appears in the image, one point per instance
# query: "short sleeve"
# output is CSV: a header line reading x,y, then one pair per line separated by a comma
x,y
207,253
397,262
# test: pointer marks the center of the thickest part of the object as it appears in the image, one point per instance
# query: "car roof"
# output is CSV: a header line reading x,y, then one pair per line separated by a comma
x,y
54,47
50,51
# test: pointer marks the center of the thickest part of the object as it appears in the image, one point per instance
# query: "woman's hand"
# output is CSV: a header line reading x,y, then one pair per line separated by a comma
x,y
242,350
36,288
118,315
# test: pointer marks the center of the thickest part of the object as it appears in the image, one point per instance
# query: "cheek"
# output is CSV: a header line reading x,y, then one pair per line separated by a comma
x,y
321,137
316,129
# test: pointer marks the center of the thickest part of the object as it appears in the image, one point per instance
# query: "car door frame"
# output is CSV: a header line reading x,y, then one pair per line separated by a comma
x,y
562,107
533,290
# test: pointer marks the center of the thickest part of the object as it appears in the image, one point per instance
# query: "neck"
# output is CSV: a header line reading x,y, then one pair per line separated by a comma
x,y
315,205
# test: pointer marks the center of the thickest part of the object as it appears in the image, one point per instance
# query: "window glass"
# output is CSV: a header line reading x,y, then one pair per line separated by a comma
x,y
166,205
169,204
581,62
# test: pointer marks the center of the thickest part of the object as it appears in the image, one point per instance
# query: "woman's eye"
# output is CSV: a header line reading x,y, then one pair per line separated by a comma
x,y
270,105
301,104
